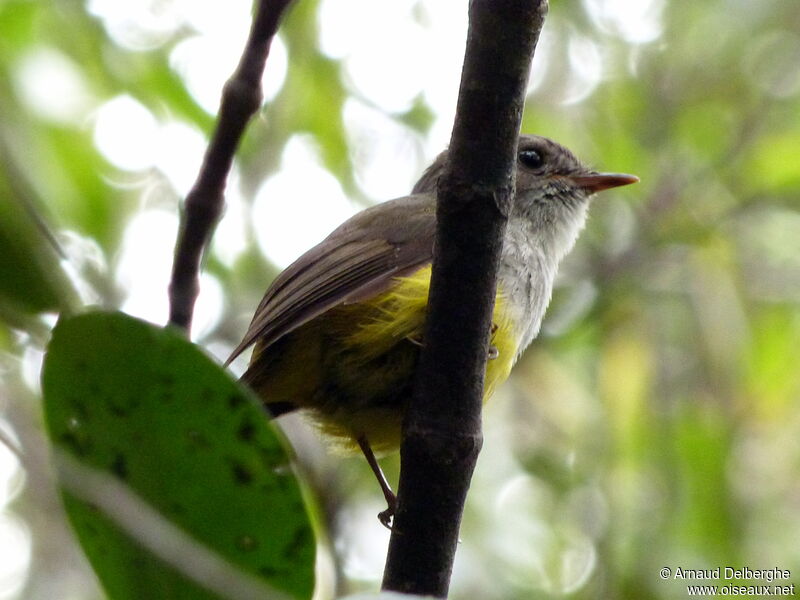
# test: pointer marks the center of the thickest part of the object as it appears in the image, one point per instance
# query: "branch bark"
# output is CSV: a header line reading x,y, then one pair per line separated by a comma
x,y
241,98
442,432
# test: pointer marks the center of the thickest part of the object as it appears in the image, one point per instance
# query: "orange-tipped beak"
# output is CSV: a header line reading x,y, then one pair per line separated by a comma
x,y
597,182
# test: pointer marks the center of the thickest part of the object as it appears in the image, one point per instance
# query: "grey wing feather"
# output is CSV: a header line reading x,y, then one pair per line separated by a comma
x,y
356,261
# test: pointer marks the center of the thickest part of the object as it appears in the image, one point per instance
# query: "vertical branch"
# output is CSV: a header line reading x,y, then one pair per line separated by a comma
x,y
442,431
241,98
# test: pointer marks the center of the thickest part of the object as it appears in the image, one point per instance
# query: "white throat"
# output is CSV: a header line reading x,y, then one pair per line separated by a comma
x,y
529,263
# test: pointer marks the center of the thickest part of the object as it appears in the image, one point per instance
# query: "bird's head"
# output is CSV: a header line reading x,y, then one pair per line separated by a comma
x,y
553,189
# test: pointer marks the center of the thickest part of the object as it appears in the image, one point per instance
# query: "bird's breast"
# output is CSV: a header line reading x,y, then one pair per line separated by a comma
x,y
525,277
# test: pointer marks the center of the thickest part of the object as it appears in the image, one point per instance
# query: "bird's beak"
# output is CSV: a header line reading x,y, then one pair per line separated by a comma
x,y
597,182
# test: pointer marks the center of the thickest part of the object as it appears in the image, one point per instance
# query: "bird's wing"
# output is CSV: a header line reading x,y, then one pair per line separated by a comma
x,y
358,260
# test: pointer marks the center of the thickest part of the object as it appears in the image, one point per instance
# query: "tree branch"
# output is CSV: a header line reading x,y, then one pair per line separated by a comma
x,y
442,432
241,98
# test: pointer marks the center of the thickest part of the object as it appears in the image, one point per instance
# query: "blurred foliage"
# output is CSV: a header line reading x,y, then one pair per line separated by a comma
x,y
654,423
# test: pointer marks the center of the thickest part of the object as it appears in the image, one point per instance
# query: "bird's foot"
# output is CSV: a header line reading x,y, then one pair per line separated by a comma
x,y
386,516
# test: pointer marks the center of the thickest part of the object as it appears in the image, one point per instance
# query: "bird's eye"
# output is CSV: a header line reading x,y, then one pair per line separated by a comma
x,y
531,159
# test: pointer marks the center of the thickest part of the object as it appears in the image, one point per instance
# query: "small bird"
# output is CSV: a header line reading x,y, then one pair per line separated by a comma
x,y
338,333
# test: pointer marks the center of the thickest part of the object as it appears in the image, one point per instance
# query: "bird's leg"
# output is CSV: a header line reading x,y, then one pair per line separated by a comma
x,y
386,516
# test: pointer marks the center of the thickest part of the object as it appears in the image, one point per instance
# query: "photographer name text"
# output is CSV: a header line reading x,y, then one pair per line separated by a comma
x,y
727,573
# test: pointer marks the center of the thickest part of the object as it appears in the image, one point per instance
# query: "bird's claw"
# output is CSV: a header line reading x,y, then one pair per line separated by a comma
x,y
385,517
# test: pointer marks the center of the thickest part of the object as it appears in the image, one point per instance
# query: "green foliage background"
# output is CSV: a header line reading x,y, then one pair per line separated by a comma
x,y
654,423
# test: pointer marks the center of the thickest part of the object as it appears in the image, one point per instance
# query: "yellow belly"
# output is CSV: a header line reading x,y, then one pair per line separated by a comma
x,y
352,367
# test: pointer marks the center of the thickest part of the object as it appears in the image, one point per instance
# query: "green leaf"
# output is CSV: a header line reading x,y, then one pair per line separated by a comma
x,y
31,278
146,408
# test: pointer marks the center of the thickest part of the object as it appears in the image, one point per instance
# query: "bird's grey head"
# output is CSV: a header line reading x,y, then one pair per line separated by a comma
x,y
553,189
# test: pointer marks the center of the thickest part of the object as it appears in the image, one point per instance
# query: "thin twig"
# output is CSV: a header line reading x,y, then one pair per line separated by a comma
x,y
241,98
442,431
9,442
151,530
